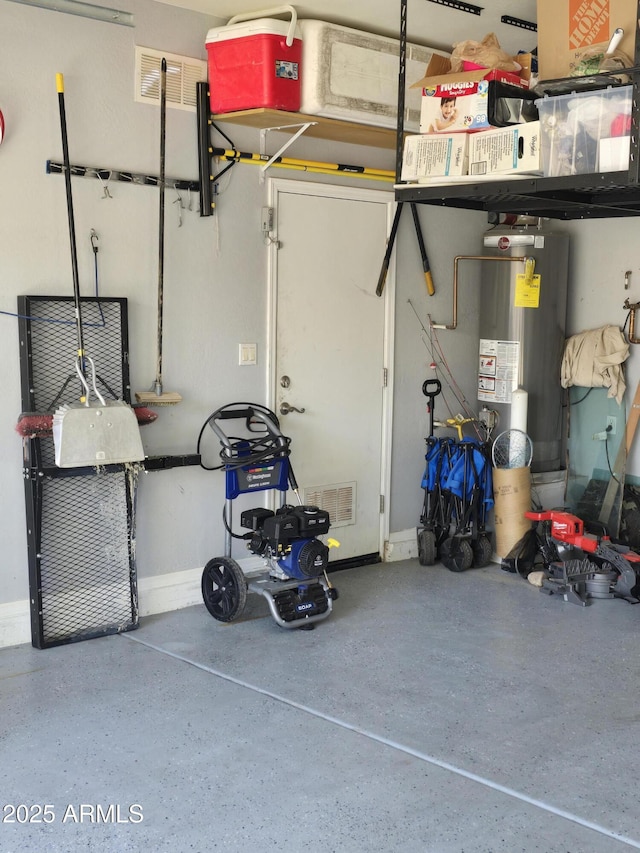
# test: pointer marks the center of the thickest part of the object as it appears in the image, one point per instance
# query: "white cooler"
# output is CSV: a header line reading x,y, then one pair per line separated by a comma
x,y
353,75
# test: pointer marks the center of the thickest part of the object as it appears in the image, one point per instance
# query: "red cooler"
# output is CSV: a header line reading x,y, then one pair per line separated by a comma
x,y
255,64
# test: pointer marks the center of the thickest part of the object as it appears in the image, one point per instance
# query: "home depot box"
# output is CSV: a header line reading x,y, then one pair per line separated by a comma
x,y
433,156
567,28
353,75
254,64
471,105
506,150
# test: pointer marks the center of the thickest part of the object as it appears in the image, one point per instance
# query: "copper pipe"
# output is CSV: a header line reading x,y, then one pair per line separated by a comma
x,y
456,260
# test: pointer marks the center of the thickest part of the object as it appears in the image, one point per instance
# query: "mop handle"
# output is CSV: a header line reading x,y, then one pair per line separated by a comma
x,y
161,185
72,228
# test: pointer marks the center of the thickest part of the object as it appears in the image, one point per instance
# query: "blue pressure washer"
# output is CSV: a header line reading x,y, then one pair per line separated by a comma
x,y
294,580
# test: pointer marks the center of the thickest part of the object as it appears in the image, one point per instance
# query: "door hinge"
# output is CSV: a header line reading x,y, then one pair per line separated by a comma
x,y
381,503
385,377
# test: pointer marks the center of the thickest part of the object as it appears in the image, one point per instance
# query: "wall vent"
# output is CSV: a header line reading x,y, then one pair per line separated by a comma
x,y
339,500
183,72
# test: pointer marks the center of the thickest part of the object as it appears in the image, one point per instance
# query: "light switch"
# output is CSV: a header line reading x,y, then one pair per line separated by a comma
x,y
248,354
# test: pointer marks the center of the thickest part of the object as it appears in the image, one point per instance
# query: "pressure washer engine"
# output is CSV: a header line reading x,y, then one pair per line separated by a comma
x,y
294,578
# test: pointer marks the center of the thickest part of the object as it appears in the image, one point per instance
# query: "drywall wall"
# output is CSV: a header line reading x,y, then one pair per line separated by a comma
x,y
603,251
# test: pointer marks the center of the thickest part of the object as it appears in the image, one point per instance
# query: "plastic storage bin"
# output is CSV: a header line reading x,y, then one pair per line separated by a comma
x,y
585,132
255,64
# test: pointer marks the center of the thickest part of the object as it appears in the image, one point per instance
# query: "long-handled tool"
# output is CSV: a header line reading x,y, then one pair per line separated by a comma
x,y
157,396
390,244
86,434
423,251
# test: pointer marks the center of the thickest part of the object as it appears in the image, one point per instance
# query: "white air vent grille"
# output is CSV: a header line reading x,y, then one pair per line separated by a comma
x,y
339,500
183,73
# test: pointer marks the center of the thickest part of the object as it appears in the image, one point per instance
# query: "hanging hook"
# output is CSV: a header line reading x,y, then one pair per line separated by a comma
x,y
179,201
105,187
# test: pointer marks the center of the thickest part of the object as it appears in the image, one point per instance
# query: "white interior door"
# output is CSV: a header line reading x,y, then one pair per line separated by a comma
x,y
330,353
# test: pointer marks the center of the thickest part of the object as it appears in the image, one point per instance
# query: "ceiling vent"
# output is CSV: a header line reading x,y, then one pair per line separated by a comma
x,y
183,72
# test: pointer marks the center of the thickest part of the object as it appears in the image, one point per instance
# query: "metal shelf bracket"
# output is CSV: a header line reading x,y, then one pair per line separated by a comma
x,y
288,143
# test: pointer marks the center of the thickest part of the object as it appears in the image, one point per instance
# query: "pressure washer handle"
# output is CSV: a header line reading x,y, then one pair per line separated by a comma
x,y
247,412
232,414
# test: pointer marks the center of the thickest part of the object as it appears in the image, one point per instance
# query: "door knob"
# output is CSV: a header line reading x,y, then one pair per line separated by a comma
x,y
285,409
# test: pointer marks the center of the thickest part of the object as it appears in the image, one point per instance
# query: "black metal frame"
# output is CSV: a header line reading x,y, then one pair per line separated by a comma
x,y
597,196
40,472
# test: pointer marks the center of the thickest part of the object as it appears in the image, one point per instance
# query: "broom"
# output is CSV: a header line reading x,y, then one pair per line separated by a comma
x,y
40,424
157,396
86,434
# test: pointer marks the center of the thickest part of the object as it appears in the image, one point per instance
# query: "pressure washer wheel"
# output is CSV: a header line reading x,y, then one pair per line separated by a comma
x,y
224,589
427,547
456,554
482,551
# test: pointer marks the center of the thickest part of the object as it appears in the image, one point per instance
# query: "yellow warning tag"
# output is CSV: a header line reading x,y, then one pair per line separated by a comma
x,y
527,292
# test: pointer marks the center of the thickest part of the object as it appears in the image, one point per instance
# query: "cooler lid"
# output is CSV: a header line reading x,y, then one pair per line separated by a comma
x,y
261,26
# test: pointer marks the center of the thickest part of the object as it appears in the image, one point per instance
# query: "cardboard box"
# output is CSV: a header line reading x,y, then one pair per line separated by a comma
x,y
567,28
434,155
475,105
439,72
506,151
613,154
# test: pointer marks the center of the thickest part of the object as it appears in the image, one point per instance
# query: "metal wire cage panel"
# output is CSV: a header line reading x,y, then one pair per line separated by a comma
x,y
80,521
83,581
48,348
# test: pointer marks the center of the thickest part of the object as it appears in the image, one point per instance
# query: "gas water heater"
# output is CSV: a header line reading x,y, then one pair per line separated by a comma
x,y
522,334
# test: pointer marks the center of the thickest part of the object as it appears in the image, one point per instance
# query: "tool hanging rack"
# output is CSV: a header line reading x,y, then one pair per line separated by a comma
x,y
107,175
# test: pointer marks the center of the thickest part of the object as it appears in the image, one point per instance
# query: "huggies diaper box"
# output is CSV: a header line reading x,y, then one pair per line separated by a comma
x,y
470,105
466,101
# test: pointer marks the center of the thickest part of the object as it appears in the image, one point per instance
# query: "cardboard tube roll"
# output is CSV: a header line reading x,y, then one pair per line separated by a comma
x,y
512,498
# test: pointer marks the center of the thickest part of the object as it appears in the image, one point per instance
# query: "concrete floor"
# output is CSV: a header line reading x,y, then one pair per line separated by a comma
x,y
432,711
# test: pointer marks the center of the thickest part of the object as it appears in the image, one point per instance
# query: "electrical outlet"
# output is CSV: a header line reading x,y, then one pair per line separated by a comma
x,y
611,422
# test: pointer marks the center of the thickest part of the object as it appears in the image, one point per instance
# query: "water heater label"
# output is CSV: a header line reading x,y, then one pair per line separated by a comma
x,y
498,370
527,293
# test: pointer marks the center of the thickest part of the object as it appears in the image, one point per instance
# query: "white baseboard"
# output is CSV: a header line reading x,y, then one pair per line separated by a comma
x,y
15,623
172,591
402,545
159,594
